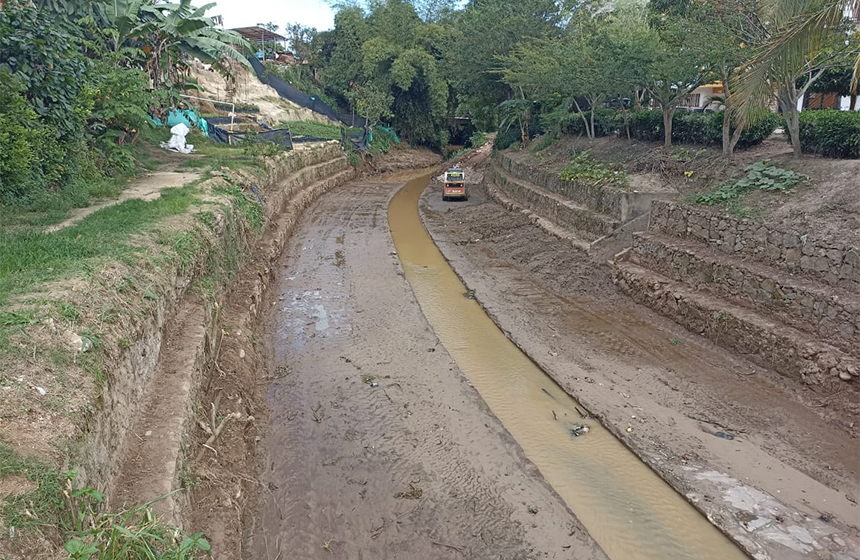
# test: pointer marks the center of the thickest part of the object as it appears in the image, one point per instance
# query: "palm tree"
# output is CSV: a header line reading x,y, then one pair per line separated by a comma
x,y
797,29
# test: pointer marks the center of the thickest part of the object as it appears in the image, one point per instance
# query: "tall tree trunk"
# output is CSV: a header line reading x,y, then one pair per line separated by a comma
x,y
637,103
584,119
787,99
668,116
593,135
727,113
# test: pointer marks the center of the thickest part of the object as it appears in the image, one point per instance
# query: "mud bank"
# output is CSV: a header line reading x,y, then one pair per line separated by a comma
x,y
137,440
734,439
377,446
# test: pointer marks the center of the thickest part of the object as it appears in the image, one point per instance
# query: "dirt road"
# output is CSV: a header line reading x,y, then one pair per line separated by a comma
x,y
378,447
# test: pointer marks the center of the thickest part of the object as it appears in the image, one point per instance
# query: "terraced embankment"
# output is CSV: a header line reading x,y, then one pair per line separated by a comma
x,y
770,459
586,214
142,334
784,299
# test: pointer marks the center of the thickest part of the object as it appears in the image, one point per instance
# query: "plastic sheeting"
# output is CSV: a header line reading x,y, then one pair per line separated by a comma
x,y
177,139
302,99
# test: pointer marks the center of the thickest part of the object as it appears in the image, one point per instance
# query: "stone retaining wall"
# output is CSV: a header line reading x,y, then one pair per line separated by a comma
x,y
795,303
831,262
606,200
787,351
587,224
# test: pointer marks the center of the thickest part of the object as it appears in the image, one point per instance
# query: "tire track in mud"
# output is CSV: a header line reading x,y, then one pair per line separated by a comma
x,y
416,467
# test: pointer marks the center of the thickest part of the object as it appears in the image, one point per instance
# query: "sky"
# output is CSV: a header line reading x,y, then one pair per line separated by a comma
x,y
247,13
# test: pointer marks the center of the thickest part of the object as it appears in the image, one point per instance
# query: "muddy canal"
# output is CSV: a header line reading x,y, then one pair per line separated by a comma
x,y
393,408
625,506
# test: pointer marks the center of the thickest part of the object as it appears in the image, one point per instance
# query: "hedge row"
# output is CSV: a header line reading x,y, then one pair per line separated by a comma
x,y
699,128
830,133
689,128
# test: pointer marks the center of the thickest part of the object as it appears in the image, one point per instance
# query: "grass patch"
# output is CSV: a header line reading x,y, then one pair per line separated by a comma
x,y
29,257
52,207
38,506
316,129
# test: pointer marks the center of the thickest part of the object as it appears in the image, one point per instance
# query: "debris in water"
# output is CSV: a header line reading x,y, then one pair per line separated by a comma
x,y
414,493
578,430
554,415
724,435
469,294
582,414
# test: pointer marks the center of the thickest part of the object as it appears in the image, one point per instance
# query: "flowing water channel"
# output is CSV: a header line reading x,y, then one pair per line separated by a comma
x,y
628,509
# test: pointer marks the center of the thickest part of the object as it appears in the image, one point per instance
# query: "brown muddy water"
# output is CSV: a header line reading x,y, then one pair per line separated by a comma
x,y
628,509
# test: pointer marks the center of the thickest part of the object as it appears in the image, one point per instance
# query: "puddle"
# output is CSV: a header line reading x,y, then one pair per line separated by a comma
x,y
626,507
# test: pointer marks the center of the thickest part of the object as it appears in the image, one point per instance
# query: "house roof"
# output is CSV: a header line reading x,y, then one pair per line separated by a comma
x,y
259,35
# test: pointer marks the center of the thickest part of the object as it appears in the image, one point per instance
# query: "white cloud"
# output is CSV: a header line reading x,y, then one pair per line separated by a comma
x,y
246,13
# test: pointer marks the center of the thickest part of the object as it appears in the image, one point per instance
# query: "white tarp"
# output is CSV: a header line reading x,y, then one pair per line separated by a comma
x,y
177,140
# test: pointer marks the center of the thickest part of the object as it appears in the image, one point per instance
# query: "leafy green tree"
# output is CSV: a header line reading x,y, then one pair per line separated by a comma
x,y
167,31
371,102
679,64
800,41
342,51
387,63
479,35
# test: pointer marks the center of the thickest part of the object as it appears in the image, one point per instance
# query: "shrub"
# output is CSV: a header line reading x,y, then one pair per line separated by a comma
x,y
477,139
583,168
760,175
759,131
607,122
31,158
506,138
705,129
383,139
695,128
830,133
646,125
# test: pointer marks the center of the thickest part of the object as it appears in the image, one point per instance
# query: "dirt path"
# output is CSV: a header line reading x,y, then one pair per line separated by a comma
x,y
787,482
416,467
148,187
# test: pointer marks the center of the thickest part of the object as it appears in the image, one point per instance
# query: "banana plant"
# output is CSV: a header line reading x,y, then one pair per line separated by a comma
x,y
169,34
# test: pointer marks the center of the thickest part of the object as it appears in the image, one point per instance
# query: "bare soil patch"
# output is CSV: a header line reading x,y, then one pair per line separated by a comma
x,y
827,206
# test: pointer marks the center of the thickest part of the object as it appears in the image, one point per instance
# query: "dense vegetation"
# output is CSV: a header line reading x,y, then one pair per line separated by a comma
x,y
77,82
535,66
830,133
